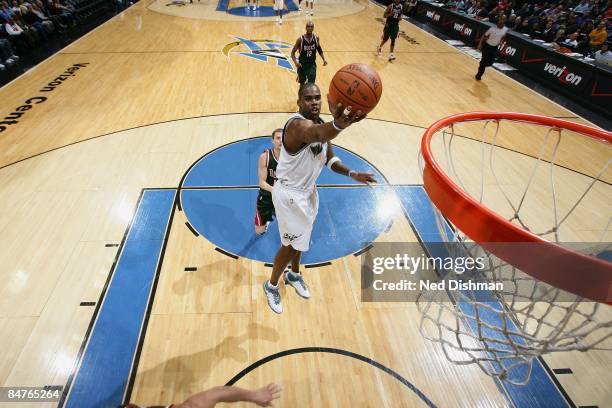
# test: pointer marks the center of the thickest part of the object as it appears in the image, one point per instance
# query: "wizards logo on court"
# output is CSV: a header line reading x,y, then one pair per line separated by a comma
x,y
260,50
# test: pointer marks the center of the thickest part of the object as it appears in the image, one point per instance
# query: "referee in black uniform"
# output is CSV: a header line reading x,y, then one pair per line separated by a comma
x,y
489,43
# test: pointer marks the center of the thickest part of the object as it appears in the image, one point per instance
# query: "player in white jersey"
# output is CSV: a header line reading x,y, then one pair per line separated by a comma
x,y
305,150
279,6
311,2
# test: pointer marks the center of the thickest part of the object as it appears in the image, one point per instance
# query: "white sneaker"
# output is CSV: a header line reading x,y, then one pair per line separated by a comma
x,y
280,22
2,67
297,281
391,57
15,57
273,295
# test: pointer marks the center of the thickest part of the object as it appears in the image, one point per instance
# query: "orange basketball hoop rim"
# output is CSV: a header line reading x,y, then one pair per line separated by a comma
x,y
574,272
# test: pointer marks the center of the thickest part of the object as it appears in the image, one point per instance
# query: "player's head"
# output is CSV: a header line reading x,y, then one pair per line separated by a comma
x,y
309,100
501,21
277,138
397,1
309,27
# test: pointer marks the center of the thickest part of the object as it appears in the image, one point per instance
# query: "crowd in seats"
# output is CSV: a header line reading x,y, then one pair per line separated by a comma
x,y
28,25
578,26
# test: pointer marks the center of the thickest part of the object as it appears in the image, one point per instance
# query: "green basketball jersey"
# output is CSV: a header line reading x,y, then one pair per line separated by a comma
x,y
308,49
396,14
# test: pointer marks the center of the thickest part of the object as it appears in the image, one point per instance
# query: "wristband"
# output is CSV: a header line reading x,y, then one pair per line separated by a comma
x,y
351,173
331,161
338,128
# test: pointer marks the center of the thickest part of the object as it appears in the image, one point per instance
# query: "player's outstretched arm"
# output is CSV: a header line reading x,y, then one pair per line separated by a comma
x,y
263,397
336,165
300,132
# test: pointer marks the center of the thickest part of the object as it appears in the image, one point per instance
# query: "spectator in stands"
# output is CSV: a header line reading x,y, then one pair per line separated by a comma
x,y
462,6
472,8
604,55
410,7
584,6
571,23
46,22
549,32
5,12
560,35
585,18
584,47
56,20
524,11
598,36
481,11
7,54
33,21
17,34
571,41
524,27
554,10
539,27
57,9
537,10
32,34
587,27
511,22
608,13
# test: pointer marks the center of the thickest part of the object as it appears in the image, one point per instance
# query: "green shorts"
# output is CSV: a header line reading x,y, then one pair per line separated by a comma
x,y
307,73
391,31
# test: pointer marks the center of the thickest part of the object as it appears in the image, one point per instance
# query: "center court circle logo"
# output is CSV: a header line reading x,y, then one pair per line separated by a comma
x,y
219,192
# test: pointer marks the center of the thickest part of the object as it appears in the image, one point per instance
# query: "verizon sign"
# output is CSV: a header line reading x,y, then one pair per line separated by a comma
x,y
433,16
462,29
506,50
563,74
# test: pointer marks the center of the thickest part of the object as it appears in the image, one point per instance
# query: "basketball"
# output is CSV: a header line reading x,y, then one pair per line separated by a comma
x,y
356,85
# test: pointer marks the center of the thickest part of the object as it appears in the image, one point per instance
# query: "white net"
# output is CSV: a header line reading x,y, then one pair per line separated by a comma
x,y
546,186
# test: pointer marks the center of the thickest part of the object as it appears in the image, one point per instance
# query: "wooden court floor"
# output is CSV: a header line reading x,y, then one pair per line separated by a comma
x,y
122,114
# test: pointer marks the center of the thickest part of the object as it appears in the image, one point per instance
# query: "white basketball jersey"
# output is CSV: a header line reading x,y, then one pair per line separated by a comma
x,y
300,170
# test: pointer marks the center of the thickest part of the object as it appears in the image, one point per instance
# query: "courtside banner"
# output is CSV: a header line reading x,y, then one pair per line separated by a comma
x,y
588,83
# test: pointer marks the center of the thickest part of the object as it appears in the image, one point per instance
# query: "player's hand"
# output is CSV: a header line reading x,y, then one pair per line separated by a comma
x,y
297,64
265,395
344,116
365,178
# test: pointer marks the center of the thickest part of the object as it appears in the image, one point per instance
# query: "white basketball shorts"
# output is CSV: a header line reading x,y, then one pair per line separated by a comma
x,y
279,4
296,211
